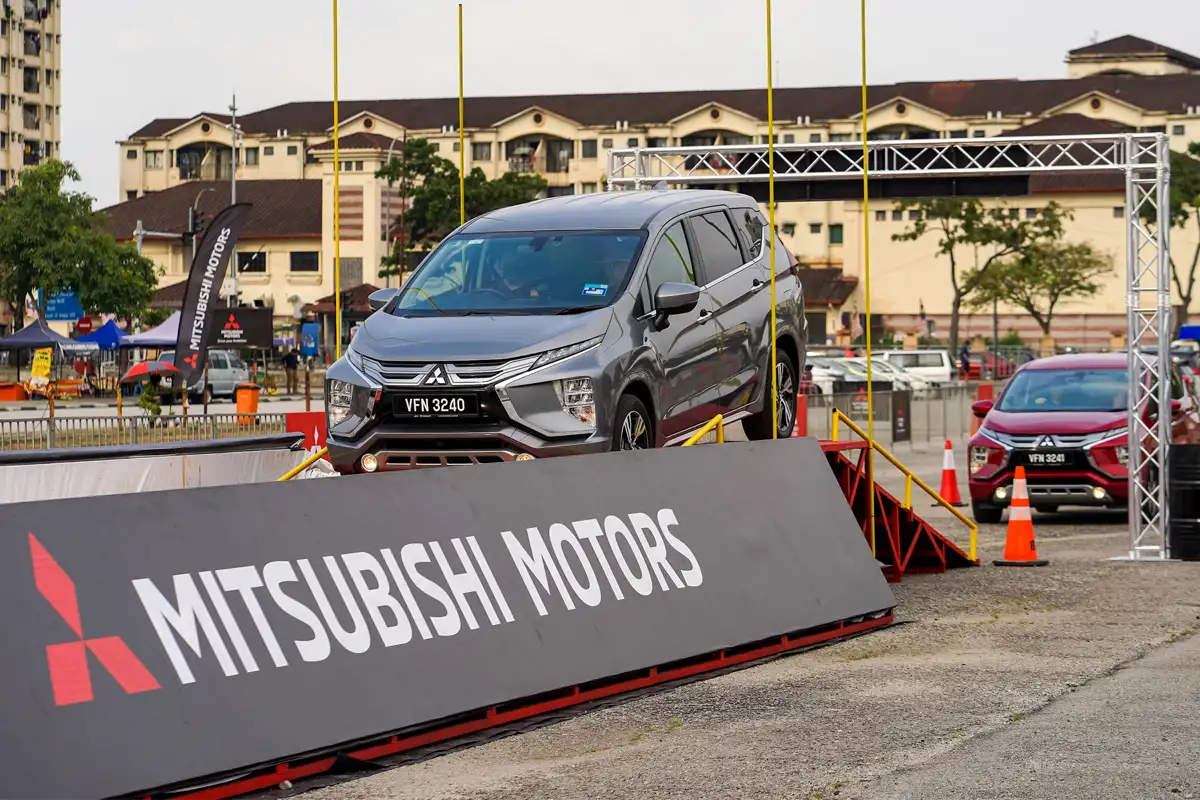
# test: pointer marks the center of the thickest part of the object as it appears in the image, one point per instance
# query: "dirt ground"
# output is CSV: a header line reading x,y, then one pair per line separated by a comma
x,y
992,675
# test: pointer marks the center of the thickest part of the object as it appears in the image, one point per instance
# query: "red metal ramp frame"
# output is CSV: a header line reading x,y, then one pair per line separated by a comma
x,y
904,542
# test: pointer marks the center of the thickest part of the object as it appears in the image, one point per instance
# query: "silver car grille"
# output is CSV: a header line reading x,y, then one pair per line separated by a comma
x,y
435,374
1035,440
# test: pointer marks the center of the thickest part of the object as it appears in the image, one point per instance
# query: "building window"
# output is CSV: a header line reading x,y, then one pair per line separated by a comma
x,y
131,155
607,144
960,134
789,138
154,159
305,261
309,157
839,137
835,234
632,141
291,151
268,150
1118,212
979,134
914,213
481,151
767,139
1177,130
897,215
131,194
789,229
437,146
358,166
814,227
588,149
254,262
1013,213
881,216
251,157
588,188
455,147
1030,213
655,141
814,137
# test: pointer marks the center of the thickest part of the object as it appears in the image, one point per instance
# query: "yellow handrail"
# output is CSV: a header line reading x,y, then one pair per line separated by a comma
x,y
909,478
303,465
717,422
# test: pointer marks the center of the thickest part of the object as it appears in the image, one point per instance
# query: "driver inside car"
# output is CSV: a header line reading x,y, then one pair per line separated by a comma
x,y
514,281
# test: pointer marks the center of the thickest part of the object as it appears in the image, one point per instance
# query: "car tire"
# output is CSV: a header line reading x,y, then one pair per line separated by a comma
x,y
986,514
632,427
758,426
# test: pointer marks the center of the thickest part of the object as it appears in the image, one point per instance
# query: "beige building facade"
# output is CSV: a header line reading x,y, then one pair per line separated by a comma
x,y
1125,84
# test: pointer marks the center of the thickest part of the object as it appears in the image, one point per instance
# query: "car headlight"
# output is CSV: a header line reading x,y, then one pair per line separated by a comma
x,y
346,401
558,354
354,357
1123,455
578,399
341,395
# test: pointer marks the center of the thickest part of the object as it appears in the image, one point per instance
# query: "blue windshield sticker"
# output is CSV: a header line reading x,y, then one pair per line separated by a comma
x,y
595,289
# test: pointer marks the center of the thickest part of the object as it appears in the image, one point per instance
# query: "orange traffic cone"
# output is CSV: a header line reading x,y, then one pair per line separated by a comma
x,y
1020,550
949,490
800,428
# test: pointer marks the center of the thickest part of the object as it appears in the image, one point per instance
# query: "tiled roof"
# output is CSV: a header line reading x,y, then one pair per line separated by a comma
x,y
281,208
955,98
357,141
169,296
826,286
355,302
1136,46
162,126
1073,125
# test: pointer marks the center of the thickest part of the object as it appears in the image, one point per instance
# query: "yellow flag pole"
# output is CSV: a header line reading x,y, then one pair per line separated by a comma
x,y
337,199
771,219
462,179
866,217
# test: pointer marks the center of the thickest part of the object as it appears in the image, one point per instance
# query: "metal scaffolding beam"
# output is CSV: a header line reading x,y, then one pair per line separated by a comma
x,y
1144,160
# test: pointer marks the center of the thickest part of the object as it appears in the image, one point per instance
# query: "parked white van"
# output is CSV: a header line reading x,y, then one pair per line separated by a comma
x,y
934,366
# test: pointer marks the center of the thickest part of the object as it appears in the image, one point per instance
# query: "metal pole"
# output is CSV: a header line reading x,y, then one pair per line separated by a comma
x,y
995,338
462,178
1162,200
308,384
771,233
233,300
337,199
867,283
139,233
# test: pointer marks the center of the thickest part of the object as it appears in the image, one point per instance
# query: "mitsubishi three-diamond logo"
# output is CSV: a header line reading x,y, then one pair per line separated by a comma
x,y
436,376
70,678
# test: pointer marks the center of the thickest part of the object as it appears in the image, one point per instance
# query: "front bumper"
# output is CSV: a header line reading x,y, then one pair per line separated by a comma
x,y
1065,488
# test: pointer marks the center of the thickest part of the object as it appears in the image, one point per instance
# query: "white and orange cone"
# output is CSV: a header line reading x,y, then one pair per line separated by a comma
x,y
949,491
800,428
1020,549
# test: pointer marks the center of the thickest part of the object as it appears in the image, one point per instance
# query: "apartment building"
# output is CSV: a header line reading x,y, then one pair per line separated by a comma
x,y
30,84
1123,84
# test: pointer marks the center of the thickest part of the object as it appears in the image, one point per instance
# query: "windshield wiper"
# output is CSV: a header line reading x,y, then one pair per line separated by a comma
x,y
574,310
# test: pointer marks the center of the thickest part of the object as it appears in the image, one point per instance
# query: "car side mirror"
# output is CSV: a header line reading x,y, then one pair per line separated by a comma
x,y
980,408
380,298
674,298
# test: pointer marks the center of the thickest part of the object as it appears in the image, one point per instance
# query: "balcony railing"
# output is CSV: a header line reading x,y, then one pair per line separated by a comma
x,y
32,123
205,172
33,87
32,48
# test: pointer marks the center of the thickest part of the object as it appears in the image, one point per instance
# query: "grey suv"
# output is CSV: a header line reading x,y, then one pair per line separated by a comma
x,y
570,325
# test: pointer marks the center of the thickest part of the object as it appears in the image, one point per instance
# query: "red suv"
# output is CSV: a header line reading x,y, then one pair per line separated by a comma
x,y
1064,419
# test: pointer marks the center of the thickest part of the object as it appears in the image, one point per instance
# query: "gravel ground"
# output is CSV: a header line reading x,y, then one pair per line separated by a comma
x,y
984,655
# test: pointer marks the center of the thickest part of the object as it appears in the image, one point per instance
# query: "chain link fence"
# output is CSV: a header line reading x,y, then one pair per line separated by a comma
x,y
64,432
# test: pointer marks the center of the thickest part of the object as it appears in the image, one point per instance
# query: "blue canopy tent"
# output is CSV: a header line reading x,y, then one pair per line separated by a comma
x,y
1189,332
107,336
164,335
38,335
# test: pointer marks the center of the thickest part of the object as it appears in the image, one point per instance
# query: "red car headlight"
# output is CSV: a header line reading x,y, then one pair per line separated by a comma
x,y
1111,457
986,459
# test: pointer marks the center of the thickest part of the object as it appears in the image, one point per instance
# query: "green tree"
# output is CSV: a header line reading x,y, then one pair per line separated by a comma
x,y
405,170
965,222
1040,277
1185,210
52,240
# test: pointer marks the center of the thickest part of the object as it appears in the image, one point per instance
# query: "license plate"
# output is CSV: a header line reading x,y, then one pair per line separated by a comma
x,y
435,406
1049,459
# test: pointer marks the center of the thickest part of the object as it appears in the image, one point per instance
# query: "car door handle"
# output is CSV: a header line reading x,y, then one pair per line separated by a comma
x,y
704,317
757,285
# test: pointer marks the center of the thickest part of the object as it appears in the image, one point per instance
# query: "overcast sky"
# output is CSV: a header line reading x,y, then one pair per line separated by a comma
x,y
130,61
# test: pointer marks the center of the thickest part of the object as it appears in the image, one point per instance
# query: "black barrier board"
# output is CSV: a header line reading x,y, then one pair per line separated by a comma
x,y
238,328
155,638
901,415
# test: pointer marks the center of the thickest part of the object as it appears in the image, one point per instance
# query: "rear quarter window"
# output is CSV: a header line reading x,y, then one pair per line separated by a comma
x,y
931,360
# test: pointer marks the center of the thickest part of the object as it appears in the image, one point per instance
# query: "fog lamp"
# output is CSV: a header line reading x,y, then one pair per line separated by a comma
x,y
369,463
1098,493
1002,493
524,457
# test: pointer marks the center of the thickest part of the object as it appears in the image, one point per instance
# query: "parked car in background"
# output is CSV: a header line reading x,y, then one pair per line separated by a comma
x,y
571,325
226,370
1064,419
988,366
827,371
888,371
934,366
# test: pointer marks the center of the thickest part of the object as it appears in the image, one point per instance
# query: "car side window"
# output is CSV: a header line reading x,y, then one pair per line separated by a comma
x,y
218,361
905,360
753,226
717,243
930,360
671,262
1176,384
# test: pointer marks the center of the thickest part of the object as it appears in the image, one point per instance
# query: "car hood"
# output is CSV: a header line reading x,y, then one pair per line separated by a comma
x,y
447,338
1065,422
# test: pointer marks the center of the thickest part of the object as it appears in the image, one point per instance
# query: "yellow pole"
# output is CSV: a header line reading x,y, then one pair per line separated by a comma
x,y
771,220
866,217
337,199
462,179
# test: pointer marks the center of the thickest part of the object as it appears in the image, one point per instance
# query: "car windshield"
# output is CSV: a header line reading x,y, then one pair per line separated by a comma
x,y
522,273
1066,390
